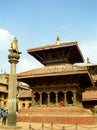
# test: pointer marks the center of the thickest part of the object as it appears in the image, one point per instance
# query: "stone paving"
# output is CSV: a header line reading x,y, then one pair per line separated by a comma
x,y
48,126
22,125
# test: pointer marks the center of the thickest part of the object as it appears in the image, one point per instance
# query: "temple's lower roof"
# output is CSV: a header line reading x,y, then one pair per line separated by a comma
x,y
52,70
67,72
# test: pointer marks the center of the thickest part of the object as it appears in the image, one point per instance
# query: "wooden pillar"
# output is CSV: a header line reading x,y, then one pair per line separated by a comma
x,y
40,99
56,98
65,100
74,98
2,101
48,99
33,100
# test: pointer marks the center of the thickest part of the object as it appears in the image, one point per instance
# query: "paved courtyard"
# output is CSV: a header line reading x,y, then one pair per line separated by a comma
x,y
39,126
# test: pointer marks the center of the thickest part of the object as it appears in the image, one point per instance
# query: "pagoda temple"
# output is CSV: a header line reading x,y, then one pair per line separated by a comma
x,y
57,87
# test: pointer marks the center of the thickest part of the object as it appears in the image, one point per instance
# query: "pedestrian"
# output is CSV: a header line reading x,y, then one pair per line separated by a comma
x,y
4,116
0,113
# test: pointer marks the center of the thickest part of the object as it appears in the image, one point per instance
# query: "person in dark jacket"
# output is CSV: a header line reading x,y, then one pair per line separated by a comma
x,y
4,116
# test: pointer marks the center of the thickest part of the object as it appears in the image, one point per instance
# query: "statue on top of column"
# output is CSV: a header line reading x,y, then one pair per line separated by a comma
x,y
14,46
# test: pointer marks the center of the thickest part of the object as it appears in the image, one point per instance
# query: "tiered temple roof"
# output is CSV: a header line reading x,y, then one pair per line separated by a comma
x,y
59,62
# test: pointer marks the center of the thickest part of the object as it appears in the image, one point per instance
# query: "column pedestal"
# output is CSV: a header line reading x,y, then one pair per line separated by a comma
x,y
10,128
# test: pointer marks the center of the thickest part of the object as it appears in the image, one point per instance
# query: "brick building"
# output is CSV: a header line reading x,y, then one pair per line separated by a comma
x,y
24,99
90,94
4,80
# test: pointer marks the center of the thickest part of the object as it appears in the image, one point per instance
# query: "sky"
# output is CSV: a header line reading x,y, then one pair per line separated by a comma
x,y
37,23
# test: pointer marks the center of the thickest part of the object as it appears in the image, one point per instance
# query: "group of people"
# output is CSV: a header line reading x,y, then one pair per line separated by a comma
x,y
3,115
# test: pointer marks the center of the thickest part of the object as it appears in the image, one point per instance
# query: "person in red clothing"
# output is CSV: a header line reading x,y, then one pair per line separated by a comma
x,y
61,103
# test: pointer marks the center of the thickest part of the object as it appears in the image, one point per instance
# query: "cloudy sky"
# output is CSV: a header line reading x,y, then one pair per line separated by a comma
x,y
38,23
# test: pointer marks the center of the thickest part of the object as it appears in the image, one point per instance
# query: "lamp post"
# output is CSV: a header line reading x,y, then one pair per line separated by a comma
x,y
12,89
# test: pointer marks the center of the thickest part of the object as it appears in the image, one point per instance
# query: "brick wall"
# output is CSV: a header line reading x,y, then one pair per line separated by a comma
x,y
66,120
55,111
57,115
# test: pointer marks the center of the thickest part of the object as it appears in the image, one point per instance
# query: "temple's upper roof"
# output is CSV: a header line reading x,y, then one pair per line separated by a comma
x,y
68,52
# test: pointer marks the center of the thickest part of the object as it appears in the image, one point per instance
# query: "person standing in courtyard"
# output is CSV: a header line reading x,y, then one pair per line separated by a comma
x,y
4,117
0,113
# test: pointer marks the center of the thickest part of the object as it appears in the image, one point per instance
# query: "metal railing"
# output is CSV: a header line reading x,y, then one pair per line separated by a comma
x,y
52,126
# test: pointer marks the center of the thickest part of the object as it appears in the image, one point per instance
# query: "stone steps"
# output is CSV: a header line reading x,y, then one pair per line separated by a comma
x,y
55,111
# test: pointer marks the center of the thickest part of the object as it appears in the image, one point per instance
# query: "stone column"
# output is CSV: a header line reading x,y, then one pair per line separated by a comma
x,y
13,59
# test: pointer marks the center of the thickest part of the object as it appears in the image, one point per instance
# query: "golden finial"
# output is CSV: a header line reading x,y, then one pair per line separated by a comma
x,y
58,41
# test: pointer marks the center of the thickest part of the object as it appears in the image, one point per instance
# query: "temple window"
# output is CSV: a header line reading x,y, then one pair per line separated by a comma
x,y
52,98
29,105
23,105
4,104
44,98
69,97
37,98
5,96
61,99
